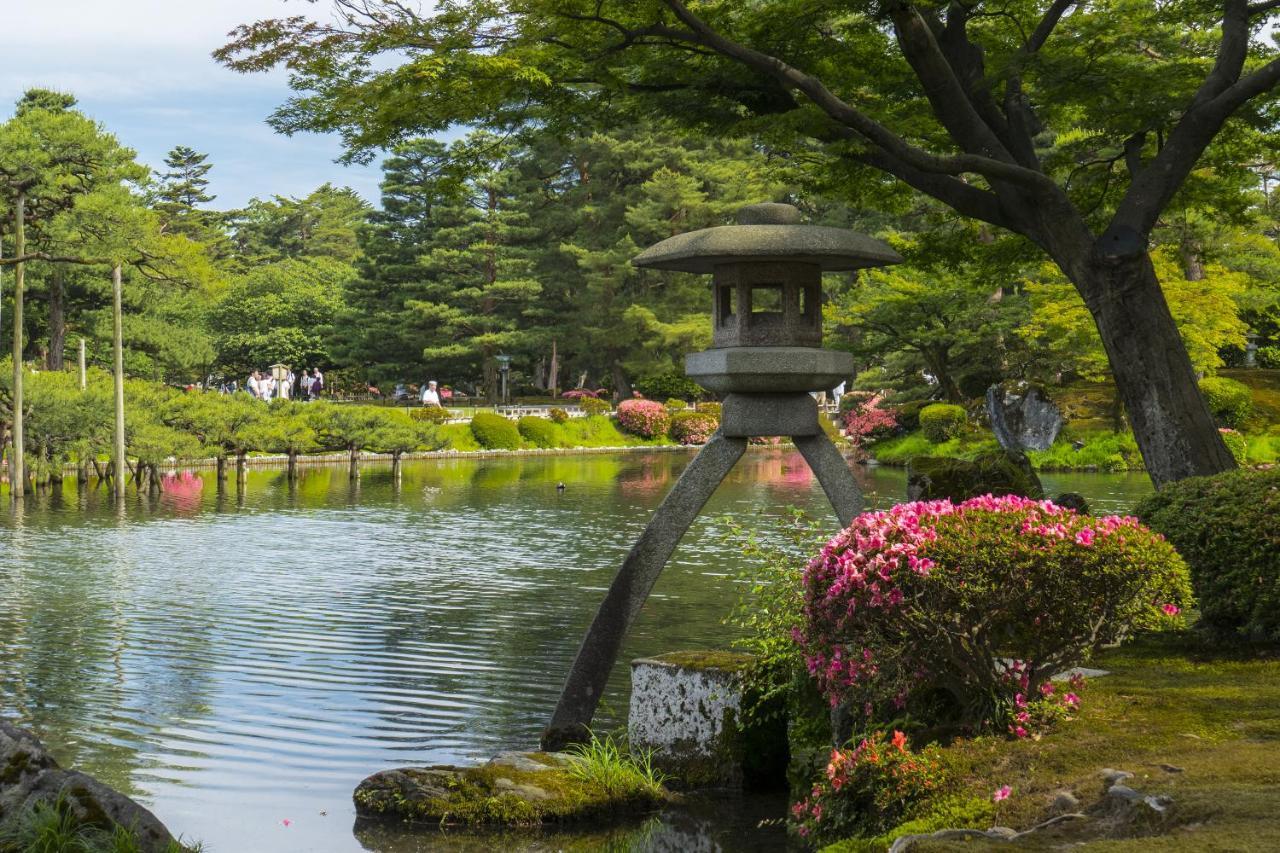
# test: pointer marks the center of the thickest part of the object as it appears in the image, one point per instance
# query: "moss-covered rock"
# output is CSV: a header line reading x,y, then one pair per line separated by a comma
x,y
514,789
934,477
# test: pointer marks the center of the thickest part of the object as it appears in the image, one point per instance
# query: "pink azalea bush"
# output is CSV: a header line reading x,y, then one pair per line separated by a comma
x,y
693,427
868,425
868,789
580,393
921,608
645,418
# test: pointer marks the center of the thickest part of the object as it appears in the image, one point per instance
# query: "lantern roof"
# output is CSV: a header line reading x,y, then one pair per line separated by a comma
x,y
768,232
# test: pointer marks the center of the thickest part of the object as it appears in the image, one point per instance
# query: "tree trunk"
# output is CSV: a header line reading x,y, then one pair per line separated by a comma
x,y
939,363
621,384
222,470
117,344
293,465
1171,421
17,474
57,317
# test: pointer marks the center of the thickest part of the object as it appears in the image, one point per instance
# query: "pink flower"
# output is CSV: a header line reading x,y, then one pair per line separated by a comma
x,y
1085,537
1071,700
1171,610
1020,731
1002,793
287,822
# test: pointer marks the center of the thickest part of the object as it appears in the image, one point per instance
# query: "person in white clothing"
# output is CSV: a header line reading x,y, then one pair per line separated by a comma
x,y
251,384
430,396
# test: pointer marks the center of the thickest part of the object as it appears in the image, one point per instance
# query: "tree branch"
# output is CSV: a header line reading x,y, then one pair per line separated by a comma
x,y
871,130
1221,94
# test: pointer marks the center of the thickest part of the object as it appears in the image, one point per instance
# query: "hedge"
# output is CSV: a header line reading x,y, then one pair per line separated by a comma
x,y
494,432
540,432
1230,401
942,421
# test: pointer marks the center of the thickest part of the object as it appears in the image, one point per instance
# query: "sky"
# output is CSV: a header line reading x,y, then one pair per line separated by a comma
x,y
142,68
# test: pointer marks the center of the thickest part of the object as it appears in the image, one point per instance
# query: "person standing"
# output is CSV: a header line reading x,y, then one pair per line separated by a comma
x,y
430,396
317,383
304,385
251,384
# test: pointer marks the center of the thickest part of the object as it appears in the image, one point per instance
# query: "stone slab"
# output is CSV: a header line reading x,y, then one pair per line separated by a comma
x,y
747,415
764,370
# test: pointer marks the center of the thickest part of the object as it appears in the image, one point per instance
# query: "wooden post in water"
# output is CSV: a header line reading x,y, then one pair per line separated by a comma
x,y
82,374
117,343
17,476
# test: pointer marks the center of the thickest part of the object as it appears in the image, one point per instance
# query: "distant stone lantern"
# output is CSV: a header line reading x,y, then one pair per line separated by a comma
x,y
766,357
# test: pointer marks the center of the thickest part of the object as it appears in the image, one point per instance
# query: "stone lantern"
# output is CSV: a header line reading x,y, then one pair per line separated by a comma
x,y
766,357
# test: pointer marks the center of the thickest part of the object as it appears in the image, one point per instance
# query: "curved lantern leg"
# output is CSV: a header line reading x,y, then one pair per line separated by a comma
x,y
631,586
833,473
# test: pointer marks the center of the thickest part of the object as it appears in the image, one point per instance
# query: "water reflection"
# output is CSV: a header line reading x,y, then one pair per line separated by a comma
x,y
239,657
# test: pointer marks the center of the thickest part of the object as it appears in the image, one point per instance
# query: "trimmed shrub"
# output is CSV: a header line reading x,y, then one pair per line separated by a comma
x,y
1236,443
494,432
893,603
692,427
673,405
430,414
540,432
645,418
942,421
931,478
1228,528
558,415
713,409
594,406
1230,401
1269,358
668,384
909,414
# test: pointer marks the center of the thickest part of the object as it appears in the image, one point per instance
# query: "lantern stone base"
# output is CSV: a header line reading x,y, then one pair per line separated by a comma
x,y
747,415
687,707
767,370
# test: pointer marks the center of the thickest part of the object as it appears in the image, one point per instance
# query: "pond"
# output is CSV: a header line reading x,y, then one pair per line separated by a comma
x,y
239,661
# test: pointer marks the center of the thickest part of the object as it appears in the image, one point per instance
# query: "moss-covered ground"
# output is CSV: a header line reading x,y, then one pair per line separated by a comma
x,y
1197,724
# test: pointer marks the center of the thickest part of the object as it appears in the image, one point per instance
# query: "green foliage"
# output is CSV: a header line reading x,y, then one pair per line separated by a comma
x,y
942,421
1228,529
710,408
908,414
594,405
669,384
1230,401
540,432
558,415
324,224
1237,444
674,405
52,827
1102,451
949,811
1269,357
768,611
494,432
430,414
611,767
279,313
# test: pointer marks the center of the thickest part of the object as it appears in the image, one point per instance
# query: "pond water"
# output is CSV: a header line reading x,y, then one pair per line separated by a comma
x,y
236,661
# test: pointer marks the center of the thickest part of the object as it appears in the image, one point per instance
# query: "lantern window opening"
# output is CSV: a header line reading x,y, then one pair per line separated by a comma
x,y
767,299
728,304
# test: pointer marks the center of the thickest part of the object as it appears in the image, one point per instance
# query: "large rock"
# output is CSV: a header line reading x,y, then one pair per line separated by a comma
x,y
514,789
933,477
1022,417
29,776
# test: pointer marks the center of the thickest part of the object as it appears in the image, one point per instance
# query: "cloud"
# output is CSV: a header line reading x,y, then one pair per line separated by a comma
x,y
143,69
